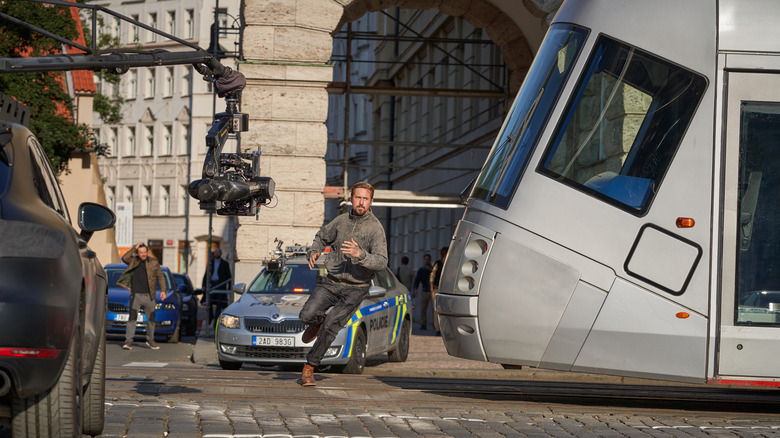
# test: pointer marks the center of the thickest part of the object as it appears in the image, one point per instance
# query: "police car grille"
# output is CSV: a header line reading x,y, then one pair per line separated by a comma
x,y
117,308
271,353
261,325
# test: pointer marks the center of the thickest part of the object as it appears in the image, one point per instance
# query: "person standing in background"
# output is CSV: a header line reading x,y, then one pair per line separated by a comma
x,y
405,273
217,298
435,278
423,279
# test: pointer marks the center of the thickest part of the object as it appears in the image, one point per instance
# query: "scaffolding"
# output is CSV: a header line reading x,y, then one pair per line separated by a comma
x,y
392,169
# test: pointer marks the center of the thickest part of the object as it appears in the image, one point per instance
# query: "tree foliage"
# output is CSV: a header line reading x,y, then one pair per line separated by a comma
x,y
51,108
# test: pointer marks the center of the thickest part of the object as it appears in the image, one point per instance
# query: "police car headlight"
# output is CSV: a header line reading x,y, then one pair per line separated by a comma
x,y
229,321
332,351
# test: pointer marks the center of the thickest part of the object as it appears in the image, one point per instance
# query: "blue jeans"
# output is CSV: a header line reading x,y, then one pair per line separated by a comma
x,y
343,300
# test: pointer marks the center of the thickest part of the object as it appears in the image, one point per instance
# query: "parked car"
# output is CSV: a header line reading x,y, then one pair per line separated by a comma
x,y
189,304
52,294
263,326
167,315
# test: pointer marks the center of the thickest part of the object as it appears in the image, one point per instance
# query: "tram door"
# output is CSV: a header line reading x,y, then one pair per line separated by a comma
x,y
750,289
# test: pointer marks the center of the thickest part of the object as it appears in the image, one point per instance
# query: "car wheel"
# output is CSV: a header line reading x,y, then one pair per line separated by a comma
x,y
54,413
401,351
229,365
357,361
93,407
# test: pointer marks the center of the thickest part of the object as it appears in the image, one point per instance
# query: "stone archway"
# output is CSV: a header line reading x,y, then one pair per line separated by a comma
x,y
287,46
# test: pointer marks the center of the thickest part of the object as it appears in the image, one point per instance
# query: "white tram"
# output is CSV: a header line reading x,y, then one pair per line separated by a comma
x,y
627,219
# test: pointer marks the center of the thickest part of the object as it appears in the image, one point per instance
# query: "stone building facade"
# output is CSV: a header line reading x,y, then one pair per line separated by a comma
x,y
287,49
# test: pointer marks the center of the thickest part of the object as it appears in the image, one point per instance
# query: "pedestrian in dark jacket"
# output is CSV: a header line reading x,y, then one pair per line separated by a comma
x,y
217,284
141,277
358,249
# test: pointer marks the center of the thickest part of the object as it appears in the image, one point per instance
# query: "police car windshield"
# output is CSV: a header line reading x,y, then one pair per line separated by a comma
x,y
293,278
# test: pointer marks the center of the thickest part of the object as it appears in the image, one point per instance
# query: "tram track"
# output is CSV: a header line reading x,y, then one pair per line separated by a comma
x,y
283,387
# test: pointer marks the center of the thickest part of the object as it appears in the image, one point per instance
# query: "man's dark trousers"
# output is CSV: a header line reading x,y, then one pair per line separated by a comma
x,y
344,299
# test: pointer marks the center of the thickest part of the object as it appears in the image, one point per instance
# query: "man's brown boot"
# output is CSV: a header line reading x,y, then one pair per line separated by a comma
x,y
307,378
310,333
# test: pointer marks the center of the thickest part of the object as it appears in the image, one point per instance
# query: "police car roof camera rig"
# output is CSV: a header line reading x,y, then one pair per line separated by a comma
x,y
230,178
277,263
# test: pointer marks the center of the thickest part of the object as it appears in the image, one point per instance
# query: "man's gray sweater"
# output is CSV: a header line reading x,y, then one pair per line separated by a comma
x,y
370,237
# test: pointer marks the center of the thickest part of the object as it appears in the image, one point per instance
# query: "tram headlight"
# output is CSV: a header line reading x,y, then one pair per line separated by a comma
x,y
466,283
469,267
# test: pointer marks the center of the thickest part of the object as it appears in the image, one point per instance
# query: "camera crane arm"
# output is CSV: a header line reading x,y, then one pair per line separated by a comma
x,y
232,179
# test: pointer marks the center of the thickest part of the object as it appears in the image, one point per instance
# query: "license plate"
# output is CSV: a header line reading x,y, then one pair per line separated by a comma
x,y
273,341
124,317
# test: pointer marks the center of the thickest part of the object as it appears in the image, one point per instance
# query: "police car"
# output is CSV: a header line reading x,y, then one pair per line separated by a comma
x,y
263,326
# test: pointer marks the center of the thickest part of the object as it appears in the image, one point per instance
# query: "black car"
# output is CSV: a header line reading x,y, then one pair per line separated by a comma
x,y
52,295
189,304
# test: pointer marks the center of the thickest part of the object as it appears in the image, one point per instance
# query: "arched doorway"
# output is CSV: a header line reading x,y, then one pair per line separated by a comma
x,y
287,47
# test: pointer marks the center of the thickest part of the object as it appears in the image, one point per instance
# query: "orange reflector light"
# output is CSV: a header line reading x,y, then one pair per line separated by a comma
x,y
685,222
298,290
682,315
43,353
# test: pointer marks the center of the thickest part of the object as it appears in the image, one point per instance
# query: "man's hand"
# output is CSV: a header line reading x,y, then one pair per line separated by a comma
x,y
313,259
163,295
350,248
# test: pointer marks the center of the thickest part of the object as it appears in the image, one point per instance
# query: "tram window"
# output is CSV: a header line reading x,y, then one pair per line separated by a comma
x,y
758,233
623,125
526,120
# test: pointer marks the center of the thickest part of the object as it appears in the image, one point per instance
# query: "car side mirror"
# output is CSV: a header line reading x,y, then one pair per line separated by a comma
x,y
239,288
376,291
94,217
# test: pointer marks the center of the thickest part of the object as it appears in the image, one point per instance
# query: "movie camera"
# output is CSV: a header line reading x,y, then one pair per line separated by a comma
x,y
232,179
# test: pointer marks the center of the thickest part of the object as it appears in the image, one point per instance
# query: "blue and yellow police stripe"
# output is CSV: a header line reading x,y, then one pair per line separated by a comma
x,y
399,302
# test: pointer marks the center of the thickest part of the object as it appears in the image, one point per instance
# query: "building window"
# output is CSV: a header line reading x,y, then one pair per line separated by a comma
x,y
169,82
165,201
146,201
183,200
167,141
149,141
129,194
153,24
130,150
185,139
151,83
222,19
110,197
132,84
189,24
134,30
186,82
171,23
112,141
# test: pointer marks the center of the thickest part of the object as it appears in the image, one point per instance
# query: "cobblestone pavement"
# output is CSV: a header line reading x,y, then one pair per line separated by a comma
x,y
430,395
257,403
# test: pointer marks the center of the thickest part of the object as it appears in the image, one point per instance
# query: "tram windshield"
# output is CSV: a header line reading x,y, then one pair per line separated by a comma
x,y
623,125
541,89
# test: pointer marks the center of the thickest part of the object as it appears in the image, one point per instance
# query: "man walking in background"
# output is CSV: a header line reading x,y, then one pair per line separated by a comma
x,y
140,278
